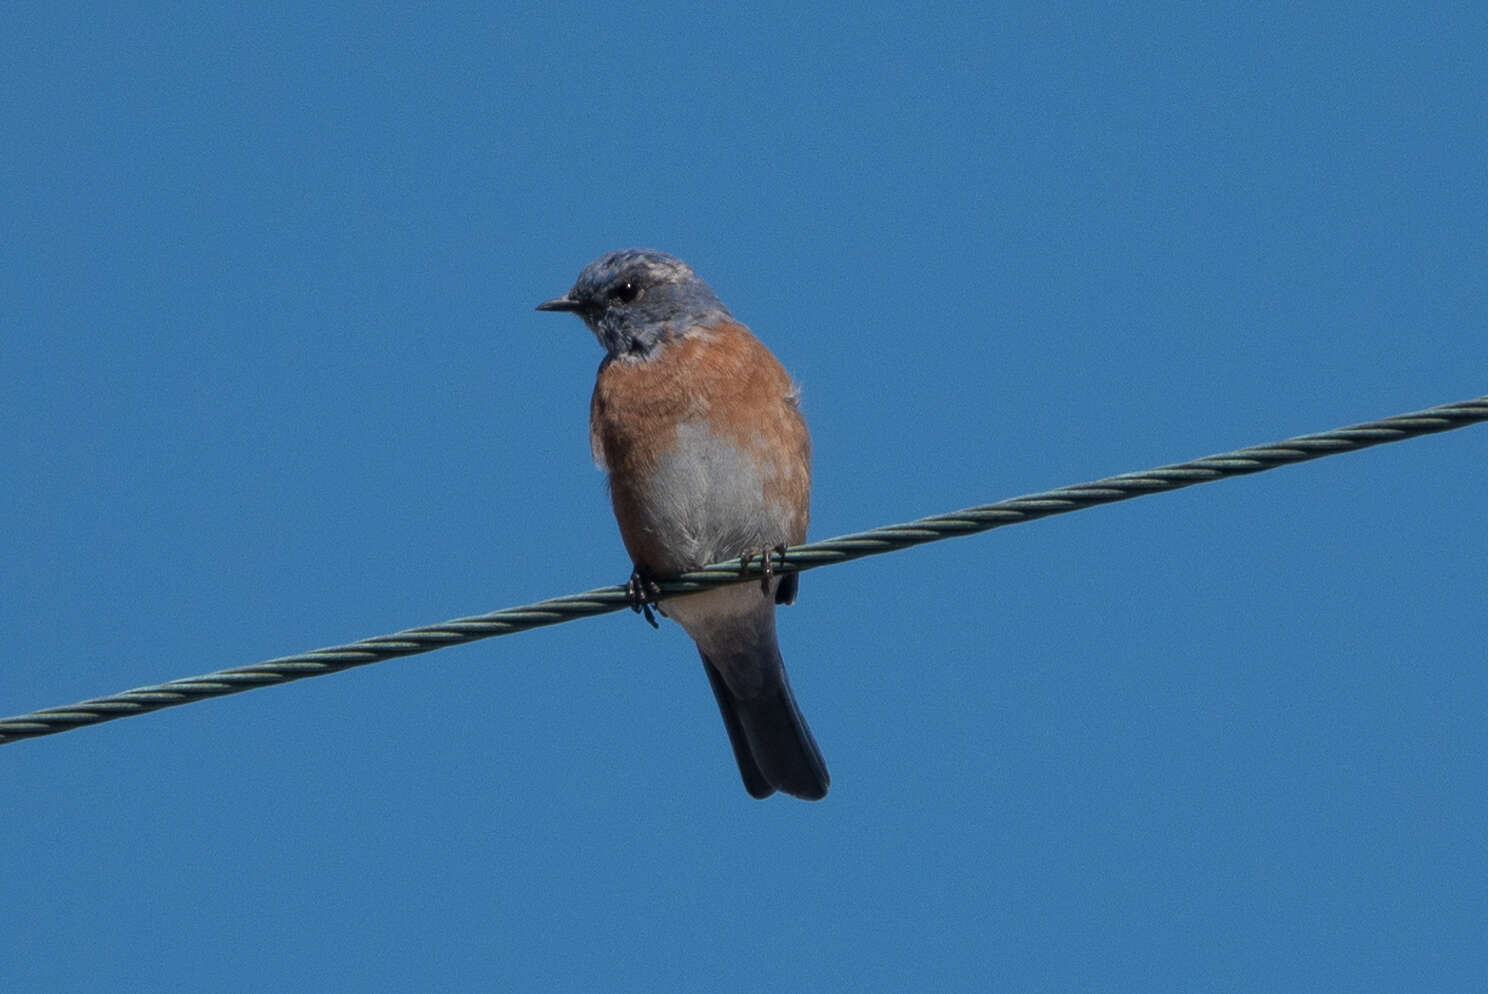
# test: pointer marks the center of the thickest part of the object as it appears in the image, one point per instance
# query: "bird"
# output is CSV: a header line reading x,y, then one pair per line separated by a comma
x,y
700,431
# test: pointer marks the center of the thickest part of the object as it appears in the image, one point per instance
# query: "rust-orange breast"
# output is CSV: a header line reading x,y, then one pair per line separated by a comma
x,y
705,445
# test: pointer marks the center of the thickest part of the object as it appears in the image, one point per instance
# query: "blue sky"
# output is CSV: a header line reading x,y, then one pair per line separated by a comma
x,y
274,381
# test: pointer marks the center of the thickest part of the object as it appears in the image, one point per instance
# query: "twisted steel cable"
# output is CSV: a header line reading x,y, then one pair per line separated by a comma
x,y
1252,459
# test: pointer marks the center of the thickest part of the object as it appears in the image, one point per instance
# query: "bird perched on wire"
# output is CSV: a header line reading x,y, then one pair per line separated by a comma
x,y
700,430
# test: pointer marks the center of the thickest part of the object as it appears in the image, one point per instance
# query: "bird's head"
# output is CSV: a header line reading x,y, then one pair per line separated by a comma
x,y
635,299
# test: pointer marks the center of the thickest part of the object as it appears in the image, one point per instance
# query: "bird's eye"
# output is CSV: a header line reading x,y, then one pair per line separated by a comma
x,y
625,292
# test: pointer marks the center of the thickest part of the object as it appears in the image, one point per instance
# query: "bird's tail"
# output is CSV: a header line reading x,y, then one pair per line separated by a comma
x,y
772,745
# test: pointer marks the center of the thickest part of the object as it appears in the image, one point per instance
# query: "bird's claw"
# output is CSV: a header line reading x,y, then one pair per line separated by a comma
x,y
642,591
767,565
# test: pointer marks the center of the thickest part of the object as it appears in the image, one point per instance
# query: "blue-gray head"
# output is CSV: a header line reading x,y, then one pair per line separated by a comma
x,y
635,299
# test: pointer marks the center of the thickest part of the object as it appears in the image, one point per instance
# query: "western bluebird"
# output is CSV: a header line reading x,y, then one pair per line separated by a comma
x,y
708,457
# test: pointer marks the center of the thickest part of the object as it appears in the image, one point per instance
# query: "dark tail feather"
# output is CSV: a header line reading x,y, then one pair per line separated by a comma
x,y
772,745
754,780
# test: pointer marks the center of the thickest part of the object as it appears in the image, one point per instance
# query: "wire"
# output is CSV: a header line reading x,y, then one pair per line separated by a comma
x,y
1253,459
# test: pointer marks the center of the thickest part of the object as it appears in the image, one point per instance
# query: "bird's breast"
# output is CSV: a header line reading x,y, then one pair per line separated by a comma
x,y
706,449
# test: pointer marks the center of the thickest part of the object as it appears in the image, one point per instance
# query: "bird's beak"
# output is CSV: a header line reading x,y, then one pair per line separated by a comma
x,y
564,303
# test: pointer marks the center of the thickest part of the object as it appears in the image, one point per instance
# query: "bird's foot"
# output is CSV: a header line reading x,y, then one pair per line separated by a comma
x,y
767,565
641,591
